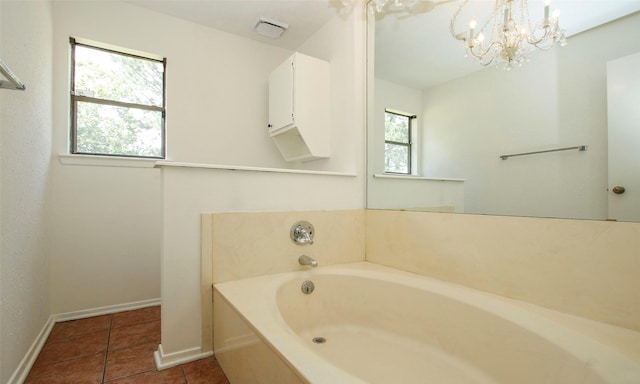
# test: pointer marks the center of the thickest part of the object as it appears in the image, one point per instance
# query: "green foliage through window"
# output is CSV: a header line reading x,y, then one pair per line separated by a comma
x,y
397,138
118,103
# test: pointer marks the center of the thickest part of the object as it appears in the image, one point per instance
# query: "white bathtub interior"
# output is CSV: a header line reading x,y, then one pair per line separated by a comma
x,y
455,334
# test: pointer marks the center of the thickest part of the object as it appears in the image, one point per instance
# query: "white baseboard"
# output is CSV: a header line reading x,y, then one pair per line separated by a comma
x,y
110,309
21,372
169,360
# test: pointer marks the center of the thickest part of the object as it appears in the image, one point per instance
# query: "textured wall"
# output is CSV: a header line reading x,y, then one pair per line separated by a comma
x,y
25,151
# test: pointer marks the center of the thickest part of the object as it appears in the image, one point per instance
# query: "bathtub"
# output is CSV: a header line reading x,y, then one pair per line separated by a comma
x,y
366,323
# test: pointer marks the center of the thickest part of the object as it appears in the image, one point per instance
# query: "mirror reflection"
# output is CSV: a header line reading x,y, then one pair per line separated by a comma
x,y
461,117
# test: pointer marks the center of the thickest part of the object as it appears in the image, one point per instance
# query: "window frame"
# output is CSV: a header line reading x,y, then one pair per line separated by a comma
x,y
74,99
408,144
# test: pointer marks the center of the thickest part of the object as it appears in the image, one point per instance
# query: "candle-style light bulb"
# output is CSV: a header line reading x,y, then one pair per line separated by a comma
x,y
546,11
472,27
556,14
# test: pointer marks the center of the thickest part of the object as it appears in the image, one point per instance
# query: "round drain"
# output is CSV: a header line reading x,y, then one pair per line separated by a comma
x,y
319,340
308,287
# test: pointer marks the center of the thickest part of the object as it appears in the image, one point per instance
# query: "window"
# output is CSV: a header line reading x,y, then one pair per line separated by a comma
x,y
117,101
397,142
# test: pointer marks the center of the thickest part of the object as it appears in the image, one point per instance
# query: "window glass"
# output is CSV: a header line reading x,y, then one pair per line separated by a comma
x,y
396,158
118,103
112,76
396,127
107,129
397,137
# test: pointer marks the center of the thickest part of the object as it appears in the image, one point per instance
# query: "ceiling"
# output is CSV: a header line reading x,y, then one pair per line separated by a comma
x,y
404,39
408,40
239,17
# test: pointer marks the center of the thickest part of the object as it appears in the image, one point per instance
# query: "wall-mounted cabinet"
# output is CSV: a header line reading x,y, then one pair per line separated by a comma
x,y
299,109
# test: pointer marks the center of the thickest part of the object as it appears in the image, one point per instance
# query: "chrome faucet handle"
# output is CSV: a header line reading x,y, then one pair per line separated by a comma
x,y
302,233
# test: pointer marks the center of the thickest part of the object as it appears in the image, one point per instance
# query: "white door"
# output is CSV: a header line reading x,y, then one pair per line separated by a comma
x,y
623,103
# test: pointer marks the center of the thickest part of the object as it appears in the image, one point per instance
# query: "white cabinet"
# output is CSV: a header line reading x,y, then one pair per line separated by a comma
x,y
299,110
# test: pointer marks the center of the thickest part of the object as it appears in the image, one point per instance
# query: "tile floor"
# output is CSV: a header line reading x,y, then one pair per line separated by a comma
x,y
114,349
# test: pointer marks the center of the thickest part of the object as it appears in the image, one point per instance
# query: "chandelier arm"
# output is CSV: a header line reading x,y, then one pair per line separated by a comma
x,y
454,19
488,63
533,41
483,53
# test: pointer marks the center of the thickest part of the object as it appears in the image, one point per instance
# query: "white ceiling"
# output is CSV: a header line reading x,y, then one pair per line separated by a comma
x,y
405,40
239,17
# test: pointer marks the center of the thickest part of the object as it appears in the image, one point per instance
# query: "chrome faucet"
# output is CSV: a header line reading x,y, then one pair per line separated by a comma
x,y
302,233
306,260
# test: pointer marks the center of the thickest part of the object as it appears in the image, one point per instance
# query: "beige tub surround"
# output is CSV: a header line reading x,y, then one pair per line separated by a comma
x,y
247,244
456,334
587,268
556,299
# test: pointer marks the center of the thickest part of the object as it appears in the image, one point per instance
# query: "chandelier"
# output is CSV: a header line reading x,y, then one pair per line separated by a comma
x,y
411,7
510,34
380,5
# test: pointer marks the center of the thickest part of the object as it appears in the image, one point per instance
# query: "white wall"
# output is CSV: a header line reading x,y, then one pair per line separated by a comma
x,y
556,100
108,219
25,147
190,192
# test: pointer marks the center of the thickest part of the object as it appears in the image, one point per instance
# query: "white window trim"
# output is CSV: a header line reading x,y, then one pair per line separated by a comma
x,y
106,161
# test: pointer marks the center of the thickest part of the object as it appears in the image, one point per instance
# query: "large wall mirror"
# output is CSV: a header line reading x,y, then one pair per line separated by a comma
x,y
463,117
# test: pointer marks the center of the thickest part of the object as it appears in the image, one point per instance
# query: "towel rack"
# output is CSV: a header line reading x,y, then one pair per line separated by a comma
x,y
579,147
13,81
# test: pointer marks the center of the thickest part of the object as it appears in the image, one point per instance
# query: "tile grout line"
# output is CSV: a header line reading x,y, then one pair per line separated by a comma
x,y
112,325
61,340
184,375
106,353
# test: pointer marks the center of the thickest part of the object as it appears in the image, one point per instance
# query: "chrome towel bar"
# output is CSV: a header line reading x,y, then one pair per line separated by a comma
x,y
579,147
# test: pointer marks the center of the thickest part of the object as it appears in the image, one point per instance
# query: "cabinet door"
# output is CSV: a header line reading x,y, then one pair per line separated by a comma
x,y
281,96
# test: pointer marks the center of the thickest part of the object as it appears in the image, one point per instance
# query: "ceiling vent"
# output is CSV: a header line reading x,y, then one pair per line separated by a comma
x,y
270,28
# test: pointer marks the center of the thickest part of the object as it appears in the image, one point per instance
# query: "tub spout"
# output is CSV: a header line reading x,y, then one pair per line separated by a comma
x,y
306,260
